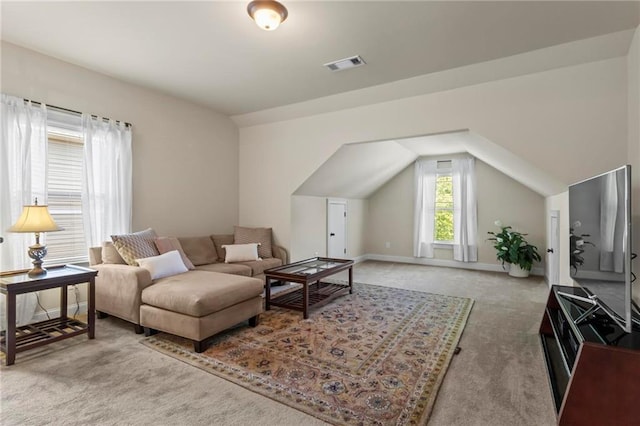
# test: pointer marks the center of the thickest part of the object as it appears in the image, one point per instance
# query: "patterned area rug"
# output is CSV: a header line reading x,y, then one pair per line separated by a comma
x,y
377,356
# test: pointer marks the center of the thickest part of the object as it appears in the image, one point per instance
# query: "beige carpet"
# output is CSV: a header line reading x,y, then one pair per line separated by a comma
x,y
498,379
377,356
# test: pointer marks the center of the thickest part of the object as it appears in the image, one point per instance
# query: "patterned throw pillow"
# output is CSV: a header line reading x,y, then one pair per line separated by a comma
x,y
134,246
242,235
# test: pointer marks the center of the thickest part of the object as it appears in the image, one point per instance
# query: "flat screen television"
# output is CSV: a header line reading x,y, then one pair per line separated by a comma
x,y
600,243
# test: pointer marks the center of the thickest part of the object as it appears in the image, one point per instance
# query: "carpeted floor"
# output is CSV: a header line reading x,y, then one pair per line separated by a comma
x,y
498,378
376,356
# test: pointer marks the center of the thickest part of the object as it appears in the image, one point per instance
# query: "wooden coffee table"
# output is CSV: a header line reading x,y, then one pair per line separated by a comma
x,y
309,273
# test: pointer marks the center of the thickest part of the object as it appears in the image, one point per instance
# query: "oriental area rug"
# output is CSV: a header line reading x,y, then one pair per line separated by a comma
x,y
377,356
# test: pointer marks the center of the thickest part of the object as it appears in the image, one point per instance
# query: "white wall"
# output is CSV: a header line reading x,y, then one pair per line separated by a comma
x,y
185,156
499,197
569,122
309,227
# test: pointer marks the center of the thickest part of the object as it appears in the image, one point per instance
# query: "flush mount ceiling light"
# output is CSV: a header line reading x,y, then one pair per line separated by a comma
x,y
268,14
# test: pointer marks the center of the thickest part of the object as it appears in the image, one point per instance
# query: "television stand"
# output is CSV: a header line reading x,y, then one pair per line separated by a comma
x,y
591,362
591,299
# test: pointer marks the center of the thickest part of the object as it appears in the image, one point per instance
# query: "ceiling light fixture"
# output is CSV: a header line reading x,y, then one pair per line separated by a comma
x,y
268,14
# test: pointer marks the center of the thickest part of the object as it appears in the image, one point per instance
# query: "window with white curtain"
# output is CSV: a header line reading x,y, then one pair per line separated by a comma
x,y
446,207
65,161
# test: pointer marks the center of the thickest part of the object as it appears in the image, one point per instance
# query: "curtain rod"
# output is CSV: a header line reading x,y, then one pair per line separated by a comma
x,y
75,112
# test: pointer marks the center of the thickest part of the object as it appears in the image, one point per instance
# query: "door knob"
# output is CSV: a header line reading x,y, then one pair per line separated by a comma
x,y
332,234
550,250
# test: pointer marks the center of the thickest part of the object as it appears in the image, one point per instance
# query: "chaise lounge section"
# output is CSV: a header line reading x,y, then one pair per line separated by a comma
x,y
209,297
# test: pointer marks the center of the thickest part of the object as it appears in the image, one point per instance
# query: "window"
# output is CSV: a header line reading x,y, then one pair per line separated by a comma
x,y
445,211
64,192
443,229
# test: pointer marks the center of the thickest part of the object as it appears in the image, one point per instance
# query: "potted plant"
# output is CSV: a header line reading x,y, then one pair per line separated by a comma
x,y
577,244
511,247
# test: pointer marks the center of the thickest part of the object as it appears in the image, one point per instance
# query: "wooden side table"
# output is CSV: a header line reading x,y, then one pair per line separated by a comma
x,y
18,339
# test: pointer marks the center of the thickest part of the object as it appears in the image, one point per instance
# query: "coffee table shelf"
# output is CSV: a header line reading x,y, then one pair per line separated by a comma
x,y
309,273
319,293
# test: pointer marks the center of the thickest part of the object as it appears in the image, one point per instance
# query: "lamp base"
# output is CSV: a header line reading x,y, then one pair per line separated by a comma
x,y
37,252
37,270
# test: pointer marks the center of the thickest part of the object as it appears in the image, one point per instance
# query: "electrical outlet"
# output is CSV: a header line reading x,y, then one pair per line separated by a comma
x,y
387,244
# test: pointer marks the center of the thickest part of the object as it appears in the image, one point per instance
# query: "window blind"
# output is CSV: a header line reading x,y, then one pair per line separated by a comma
x,y
64,192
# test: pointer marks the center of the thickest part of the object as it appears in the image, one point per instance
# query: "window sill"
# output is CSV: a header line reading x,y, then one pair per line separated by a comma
x,y
443,245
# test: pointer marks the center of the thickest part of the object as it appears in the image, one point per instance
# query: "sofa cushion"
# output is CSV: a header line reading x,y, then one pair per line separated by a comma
x,y
226,268
241,252
259,266
136,246
219,241
164,265
199,250
110,254
242,235
167,244
199,293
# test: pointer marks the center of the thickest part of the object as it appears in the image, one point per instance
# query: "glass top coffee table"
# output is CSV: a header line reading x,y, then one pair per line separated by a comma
x,y
309,273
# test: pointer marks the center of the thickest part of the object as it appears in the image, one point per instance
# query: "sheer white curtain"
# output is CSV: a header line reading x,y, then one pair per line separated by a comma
x,y
611,217
424,209
107,179
23,172
465,210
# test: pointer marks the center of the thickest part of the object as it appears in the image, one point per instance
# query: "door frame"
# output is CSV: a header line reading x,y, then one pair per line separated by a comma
x,y
343,202
553,242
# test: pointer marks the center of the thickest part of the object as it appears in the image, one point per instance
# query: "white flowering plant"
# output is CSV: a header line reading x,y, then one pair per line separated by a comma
x,y
512,247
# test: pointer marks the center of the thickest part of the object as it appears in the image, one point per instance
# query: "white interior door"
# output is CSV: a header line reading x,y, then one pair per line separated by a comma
x,y
336,229
553,254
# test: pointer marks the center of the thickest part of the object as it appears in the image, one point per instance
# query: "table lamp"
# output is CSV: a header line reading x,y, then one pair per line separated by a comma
x,y
36,219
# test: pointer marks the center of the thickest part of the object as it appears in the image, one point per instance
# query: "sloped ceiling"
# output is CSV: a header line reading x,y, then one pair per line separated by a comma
x,y
359,170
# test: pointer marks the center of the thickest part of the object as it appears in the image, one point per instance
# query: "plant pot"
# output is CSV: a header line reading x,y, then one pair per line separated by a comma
x,y
516,271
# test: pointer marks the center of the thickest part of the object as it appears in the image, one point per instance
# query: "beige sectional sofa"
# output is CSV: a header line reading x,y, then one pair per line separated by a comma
x,y
195,304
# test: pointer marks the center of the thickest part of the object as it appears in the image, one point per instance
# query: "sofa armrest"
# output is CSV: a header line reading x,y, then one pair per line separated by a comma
x,y
281,253
119,290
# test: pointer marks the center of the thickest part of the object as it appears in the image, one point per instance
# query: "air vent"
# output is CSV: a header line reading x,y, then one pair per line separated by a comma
x,y
343,64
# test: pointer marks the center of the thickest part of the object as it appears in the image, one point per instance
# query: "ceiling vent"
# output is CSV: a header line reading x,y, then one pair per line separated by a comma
x,y
343,64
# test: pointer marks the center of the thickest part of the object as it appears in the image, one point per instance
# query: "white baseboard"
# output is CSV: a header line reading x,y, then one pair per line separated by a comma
x,y
54,313
360,258
441,262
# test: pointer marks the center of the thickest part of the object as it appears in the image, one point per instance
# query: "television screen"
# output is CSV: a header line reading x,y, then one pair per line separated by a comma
x,y
600,241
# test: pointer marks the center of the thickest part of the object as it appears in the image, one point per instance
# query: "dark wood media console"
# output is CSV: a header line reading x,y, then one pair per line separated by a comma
x,y
593,366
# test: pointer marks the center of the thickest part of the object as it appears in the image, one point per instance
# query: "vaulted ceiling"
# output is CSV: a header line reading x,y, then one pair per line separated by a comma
x,y
358,170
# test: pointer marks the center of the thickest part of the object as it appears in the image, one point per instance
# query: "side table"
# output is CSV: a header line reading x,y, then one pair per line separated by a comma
x,y
18,339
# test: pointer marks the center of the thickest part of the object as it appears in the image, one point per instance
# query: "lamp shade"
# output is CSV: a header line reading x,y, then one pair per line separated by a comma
x,y
35,219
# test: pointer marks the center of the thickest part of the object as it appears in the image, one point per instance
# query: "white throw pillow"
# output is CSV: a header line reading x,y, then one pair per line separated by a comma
x,y
241,252
165,265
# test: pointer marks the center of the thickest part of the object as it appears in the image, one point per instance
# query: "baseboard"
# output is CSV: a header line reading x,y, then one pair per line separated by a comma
x,y
54,313
442,262
360,258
